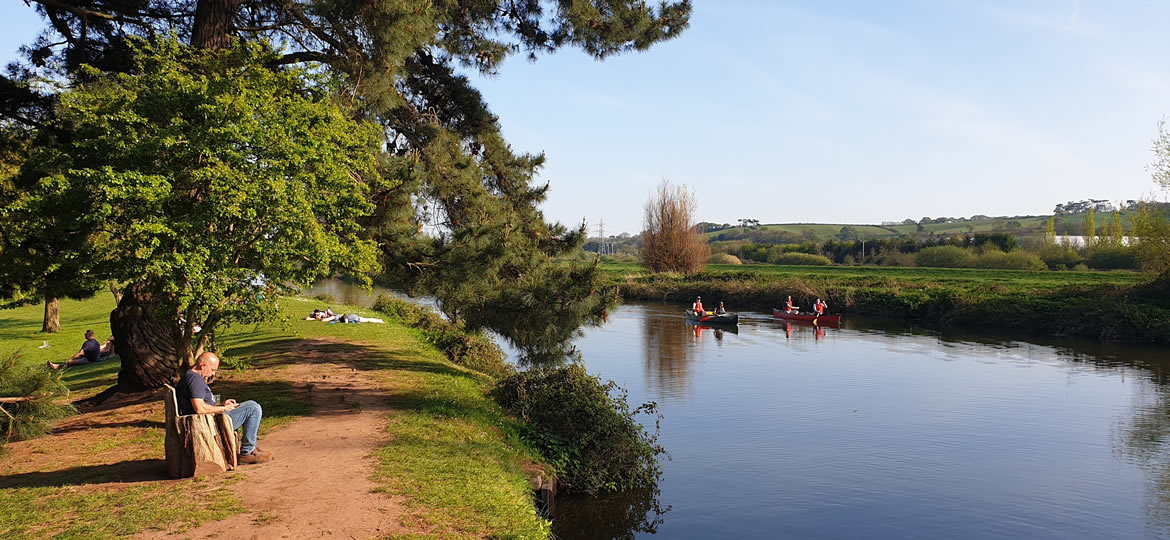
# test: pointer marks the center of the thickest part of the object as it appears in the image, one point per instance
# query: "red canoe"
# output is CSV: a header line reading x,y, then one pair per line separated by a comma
x,y
823,319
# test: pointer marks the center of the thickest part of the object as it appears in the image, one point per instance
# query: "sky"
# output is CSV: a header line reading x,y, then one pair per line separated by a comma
x,y
840,112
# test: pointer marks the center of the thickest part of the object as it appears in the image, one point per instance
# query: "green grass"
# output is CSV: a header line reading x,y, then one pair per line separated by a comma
x,y
453,456
58,505
865,275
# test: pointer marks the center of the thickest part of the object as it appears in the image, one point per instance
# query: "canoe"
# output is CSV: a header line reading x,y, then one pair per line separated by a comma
x,y
823,319
712,319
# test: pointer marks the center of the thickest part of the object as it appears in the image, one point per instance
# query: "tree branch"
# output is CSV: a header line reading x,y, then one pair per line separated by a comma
x,y
80,12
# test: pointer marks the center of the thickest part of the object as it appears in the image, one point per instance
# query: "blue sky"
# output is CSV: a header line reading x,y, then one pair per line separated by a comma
x,y
842,112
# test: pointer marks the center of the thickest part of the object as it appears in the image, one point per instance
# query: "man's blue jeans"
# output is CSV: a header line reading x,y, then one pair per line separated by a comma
x,y
247,415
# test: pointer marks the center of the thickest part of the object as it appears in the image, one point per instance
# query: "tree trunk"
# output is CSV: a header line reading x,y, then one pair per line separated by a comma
x,y
114,290
52,322
213,23
146,342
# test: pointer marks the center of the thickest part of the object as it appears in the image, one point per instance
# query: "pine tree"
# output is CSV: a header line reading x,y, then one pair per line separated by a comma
x,y
452,207
28,396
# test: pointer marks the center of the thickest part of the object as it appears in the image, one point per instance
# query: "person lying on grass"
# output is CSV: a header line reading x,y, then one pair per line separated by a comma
x,y
91,351
355,318
195,397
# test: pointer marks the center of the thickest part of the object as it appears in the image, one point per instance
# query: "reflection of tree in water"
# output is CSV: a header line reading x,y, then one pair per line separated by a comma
x,y
621,515
1144,439
665,342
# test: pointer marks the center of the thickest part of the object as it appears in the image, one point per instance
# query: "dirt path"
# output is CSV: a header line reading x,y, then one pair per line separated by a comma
x,y
318,484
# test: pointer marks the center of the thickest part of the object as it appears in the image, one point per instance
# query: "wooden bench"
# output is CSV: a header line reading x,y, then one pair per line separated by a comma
x,y
198,444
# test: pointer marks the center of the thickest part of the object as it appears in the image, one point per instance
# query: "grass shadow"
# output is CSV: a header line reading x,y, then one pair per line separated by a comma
x,y
139,470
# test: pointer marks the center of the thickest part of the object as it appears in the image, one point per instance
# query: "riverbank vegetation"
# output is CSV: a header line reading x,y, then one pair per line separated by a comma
x,y
1124,306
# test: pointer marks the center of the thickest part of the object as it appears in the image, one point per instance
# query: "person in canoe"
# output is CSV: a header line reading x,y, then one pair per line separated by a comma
x,y
820,307
788,307
721,310
698,306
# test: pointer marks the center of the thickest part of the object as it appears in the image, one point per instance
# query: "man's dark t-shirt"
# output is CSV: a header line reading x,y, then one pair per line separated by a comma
x,y
92,350
192,386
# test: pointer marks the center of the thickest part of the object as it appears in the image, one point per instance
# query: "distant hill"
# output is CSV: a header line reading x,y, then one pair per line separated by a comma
x,y
1066,224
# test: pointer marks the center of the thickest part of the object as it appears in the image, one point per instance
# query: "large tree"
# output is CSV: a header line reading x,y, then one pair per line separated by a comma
x,y
455,211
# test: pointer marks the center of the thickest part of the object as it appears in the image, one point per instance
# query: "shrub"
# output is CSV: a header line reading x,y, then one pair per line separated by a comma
x,y
1112,258
326,298
1061,257
725,258
944,257
1016,260
584,428
471,350
800,259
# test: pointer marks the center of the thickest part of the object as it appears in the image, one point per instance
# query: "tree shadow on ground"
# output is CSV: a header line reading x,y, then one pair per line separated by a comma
x,y
276,352
135,471
82,426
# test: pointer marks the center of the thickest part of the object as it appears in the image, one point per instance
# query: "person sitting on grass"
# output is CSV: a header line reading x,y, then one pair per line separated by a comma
x,y
90,352
195,397
108,352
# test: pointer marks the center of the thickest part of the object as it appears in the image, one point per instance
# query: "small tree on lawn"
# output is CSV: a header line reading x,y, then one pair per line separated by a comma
x,y
671,238
28,399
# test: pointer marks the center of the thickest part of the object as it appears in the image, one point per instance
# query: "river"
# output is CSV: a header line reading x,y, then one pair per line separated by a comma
x,y
784,431
878,430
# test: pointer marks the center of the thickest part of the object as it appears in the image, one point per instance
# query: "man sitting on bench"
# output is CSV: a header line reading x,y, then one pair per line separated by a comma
x,y
195,397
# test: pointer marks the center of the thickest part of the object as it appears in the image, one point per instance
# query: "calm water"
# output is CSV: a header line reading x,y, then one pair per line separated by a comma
x,y
787,432
784,431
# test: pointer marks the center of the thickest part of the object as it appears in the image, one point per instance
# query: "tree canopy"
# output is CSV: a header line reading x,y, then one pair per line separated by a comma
x,y
440,197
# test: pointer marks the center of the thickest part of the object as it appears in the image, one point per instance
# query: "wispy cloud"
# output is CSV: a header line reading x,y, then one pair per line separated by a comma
x,y
1059,17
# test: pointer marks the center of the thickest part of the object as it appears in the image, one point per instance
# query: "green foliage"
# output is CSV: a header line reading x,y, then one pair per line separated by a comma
x,y
468,349
800,259
1108,257
207,170
1016,260
584,428
1151,232
945,257
1059,257
40,388
1090,229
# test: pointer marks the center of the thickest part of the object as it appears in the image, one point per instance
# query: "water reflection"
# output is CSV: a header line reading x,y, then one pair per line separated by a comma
x,y
621,515
789,430
666,353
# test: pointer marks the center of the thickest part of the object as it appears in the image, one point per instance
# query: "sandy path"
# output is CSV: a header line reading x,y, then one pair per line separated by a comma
x,y
318,484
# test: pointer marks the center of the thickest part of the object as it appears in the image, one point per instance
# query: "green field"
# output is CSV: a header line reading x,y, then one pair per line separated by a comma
x,y
862,275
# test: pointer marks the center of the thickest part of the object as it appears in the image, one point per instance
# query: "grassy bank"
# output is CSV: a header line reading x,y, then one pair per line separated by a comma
x,y
453,459
1105,305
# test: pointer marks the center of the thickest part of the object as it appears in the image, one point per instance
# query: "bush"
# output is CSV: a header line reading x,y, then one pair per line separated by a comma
x,y
944,257
585,429
1061,257
1016,260
800,259
326,298
1112,258
725,258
